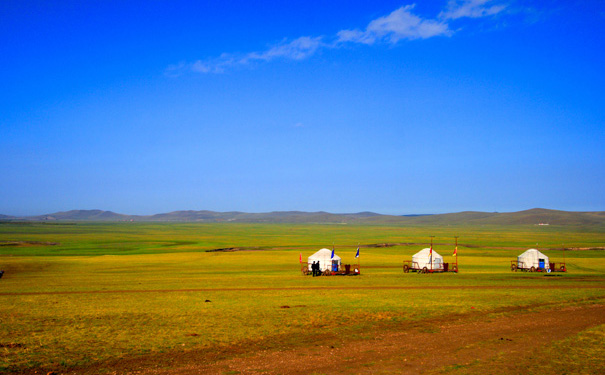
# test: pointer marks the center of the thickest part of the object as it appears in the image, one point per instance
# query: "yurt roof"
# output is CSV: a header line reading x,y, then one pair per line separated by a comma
x,y
530,251
324,253
425,252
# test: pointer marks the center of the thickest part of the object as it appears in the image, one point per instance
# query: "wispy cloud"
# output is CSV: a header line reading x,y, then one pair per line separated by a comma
x,y
297,49
470,9
401,24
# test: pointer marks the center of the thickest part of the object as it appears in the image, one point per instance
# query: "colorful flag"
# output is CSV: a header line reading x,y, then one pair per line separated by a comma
x,y
431,254
456,250
357,255
300,258
332,257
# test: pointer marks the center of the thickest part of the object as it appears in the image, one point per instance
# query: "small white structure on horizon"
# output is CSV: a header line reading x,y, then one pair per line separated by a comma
x,y
533,258
323,256
422,259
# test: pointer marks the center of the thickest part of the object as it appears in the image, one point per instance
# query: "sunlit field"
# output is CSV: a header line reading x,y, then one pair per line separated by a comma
x,y
107,291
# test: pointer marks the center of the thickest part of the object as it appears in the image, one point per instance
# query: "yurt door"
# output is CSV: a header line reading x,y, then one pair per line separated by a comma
x,y
541,263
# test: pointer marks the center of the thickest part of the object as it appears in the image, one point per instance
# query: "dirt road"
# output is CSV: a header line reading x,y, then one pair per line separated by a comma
x,y
479,343
378,287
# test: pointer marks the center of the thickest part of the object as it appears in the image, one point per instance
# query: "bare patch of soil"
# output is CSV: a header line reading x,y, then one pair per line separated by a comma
x,y
391,244
468,343
205,290
28,243
11,345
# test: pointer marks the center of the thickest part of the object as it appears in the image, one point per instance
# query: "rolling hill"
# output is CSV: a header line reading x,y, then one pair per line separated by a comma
x,y
528,217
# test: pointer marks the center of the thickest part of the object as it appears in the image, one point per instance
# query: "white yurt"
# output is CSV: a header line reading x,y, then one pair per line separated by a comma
x,y
323,257
533,258
422,260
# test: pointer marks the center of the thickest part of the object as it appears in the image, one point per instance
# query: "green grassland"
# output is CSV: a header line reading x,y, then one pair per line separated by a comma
x,y
128,289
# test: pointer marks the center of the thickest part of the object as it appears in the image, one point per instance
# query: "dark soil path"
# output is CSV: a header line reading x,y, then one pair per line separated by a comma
x,y
392,244
206,290
470,343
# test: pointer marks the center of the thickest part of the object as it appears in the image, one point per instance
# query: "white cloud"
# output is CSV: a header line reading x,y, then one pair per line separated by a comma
x,y
215,65
470,8
175,70
400,24
297,49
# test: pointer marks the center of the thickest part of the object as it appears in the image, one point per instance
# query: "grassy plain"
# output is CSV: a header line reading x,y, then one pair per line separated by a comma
x,y
114,290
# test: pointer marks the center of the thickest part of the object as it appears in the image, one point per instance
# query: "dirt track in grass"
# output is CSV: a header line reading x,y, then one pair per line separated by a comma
x,y
377,245
475,343
260,289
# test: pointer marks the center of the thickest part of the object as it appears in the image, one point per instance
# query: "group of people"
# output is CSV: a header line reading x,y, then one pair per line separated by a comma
x,y
315,269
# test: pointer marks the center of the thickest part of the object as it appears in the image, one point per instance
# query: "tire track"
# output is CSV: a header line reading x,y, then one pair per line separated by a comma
x,y
256,289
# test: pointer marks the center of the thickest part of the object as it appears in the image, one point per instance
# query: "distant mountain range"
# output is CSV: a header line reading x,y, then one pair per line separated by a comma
x,y
202,216
534,216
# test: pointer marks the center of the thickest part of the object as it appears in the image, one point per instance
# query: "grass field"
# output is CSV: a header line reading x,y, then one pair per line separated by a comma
x,y
104,292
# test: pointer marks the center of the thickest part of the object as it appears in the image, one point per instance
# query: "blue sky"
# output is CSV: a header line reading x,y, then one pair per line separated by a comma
x,y
396,107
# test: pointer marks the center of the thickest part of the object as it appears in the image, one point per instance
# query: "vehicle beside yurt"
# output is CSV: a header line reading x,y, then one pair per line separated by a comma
x,y
533,260
326,262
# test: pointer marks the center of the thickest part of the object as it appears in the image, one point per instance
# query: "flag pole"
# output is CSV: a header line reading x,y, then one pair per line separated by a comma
x,y
358,259
456,249
431,253
332,258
